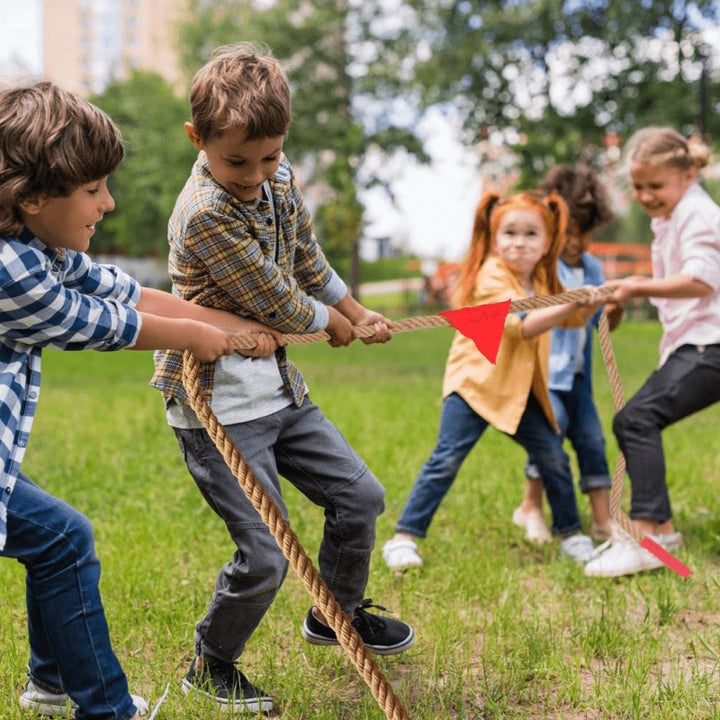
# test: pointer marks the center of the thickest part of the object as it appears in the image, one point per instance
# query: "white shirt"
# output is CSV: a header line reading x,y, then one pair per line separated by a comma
x,y
688,243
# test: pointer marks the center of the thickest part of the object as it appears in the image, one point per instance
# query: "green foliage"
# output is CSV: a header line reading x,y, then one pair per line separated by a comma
x,y
405,266
327,137
530,69
158,160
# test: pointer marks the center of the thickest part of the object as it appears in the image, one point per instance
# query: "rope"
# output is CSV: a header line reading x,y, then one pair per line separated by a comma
x,y
288,542
619,401
286,538
247,342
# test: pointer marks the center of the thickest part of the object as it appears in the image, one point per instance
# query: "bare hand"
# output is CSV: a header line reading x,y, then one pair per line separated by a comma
x,y
266,345
209,343
339,329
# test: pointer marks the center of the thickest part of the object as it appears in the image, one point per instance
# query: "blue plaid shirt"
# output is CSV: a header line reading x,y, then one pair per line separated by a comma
x,y
50,298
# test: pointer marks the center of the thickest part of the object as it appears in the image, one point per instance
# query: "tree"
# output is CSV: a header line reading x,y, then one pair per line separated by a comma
x,y
555,77
327,137
157,161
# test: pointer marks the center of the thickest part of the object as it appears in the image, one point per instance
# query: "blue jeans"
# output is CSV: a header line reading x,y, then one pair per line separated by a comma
x,y
578,420
69,640
688,381
460,428
303,446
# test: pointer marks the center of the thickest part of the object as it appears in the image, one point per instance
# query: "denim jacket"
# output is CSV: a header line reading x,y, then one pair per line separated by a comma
x,y
563,347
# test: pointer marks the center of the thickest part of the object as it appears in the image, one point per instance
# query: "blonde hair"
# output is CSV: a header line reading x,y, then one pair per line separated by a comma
x,y
488,214
241,86
666,146
51,142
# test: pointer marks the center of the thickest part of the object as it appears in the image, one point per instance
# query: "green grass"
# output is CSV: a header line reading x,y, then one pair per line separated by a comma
x,y
505,630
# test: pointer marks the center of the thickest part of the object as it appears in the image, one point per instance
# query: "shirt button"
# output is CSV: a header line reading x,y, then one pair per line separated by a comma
x,y
268,221
33,395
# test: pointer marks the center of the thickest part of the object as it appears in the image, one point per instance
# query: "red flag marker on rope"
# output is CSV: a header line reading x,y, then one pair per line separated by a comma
x,y
483,324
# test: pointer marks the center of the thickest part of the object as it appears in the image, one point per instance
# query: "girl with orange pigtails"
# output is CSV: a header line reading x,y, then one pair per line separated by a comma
x,y
513,254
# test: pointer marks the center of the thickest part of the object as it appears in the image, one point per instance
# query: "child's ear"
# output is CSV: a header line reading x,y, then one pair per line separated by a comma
x,y
32,207
193,137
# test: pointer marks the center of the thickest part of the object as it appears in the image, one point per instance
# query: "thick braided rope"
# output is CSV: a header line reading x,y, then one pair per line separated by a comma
x,y
245,342
619,401
288,542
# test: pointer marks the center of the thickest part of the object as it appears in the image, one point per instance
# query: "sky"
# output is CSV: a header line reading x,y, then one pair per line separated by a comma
x,y
21,32
434,205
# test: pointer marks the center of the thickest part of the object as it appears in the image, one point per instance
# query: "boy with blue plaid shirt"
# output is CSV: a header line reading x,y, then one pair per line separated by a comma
x,y
56,152
241,239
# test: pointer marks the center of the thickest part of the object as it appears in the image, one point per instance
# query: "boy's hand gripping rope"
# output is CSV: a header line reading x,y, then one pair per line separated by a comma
x,y
288,542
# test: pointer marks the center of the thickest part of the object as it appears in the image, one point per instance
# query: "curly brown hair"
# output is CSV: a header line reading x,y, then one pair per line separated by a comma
x,y
51,142
586,196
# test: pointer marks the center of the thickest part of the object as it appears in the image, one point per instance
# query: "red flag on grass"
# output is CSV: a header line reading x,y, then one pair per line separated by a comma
x,y
483,324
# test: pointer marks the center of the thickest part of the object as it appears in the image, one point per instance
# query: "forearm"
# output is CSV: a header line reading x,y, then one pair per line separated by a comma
x,y
536,322
676,286
350,308
163,304
165,333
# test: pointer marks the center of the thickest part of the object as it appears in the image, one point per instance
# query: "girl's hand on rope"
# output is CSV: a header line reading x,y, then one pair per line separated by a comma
x,y
625,288
614,312
592,302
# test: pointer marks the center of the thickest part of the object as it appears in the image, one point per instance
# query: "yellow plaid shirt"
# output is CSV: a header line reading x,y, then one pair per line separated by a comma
x,y
237,256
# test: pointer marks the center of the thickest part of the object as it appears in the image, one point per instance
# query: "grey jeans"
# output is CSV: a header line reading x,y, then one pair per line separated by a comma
x,y
303,446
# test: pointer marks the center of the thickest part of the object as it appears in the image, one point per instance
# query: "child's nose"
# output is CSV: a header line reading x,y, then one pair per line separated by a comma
x,y
108,202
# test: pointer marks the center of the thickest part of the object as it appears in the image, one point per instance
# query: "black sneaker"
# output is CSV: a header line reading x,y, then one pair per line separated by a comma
x,y
381,635
227,686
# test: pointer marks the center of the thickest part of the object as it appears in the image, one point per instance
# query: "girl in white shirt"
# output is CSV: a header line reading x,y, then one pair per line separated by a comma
x,y
685,289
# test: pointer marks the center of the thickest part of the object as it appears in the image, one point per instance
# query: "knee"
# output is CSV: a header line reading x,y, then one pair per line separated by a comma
x,y
79,534
624,423
358,506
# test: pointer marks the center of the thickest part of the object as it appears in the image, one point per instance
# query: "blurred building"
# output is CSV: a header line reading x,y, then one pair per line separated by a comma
x,y
89,43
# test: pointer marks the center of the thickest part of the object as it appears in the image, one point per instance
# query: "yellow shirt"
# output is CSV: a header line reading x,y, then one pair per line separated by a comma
x,y
499,393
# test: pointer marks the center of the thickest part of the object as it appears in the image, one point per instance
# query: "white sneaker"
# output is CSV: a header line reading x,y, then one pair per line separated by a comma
x,y
536,529
578,546
622,555
399,553
51,704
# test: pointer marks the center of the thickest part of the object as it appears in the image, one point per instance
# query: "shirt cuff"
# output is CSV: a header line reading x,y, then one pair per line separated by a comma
x,y
333,292
321,319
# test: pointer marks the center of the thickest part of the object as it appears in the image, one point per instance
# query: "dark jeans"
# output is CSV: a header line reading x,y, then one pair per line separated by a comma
x,y
69,641
303,446
578,420
687,382
460,428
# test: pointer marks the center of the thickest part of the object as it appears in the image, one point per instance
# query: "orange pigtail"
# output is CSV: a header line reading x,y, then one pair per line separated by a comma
x,y
556,219
480,247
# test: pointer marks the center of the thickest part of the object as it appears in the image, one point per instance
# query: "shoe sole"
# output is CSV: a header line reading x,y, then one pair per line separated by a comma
x,y
41,708
261,704
314,639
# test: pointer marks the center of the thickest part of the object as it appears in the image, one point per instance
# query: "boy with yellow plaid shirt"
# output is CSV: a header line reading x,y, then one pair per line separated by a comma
x,y
241,239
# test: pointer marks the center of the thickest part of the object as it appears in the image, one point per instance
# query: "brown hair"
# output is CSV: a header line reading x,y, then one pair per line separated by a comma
x,y
241,86
51,142
489,212
586,197
666,146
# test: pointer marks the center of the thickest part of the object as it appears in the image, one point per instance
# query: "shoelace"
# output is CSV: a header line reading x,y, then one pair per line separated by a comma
x,y
372,622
